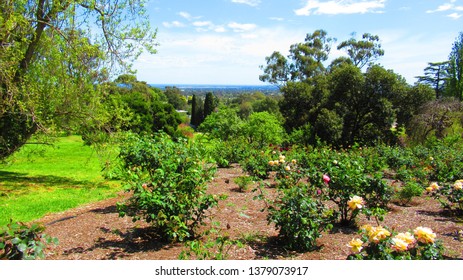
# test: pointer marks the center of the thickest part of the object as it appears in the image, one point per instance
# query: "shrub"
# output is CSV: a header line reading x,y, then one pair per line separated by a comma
x,y
168,184
19,241
409,190
300,217
450,196
348,177
378,243
243,182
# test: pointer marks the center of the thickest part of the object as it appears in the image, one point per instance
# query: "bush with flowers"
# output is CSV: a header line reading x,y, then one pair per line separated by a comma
x,y
341,176
379,243
450,196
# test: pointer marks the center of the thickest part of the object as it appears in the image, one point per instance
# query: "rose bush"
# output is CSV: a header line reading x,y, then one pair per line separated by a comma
x,y
378,243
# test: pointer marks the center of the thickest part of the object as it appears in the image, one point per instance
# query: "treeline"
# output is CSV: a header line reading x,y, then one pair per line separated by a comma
x,y
351,100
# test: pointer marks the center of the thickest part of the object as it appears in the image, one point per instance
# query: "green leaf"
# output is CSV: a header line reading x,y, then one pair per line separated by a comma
x,y
15,240
22,247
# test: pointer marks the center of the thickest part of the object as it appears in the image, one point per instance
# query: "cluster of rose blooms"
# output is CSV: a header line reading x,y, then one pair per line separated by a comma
x,y
458,186
400,242
282,160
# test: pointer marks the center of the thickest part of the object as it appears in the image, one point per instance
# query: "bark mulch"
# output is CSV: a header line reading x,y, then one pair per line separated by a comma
x,y
96,232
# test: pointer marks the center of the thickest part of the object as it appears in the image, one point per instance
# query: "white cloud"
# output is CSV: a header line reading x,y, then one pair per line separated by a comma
x,y
454,15
334,7
241,27
449,7
407,53
173,24
214,58
202,23
187,16
203,26
252,3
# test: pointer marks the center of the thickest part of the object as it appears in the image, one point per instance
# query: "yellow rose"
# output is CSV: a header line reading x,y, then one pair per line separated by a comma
x,y
366,227
429,189
356,202
355,245
271,163
287,168
434,186
399,245
458,186
294,161
376,234
424,235
407,237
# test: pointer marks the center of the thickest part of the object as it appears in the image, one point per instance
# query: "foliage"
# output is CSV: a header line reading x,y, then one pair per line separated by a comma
x,y
300,216
454,85
364,51
209,104
342,104
215,247
55,54
19,241
378,243
434,119
435,75
168,184
344,175
175,98
408,191
262,129
223,124
243,182
224,153
450,196
256,163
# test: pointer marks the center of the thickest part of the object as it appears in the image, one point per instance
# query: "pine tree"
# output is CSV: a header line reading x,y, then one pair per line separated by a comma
x,y
208,104
194,114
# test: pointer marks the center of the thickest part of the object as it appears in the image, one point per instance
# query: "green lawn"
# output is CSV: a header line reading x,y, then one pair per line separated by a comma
x,y
43,179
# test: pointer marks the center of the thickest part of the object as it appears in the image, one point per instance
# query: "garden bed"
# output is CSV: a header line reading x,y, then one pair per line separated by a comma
x,y
95,231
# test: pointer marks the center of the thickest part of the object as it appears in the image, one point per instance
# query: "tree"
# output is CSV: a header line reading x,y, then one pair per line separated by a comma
x,y
364,51
175,98
454,86
263,128
194,115
55,54
305,60
435,75
434,118
223,124
132,105
209,104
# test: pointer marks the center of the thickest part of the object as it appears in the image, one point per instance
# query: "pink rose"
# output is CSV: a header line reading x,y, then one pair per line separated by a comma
x,y
326,179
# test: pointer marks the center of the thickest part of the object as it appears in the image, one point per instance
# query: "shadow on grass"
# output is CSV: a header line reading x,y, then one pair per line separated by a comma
x,y
21,183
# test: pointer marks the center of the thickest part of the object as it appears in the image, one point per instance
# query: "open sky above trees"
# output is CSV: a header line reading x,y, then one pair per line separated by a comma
x,y
225,41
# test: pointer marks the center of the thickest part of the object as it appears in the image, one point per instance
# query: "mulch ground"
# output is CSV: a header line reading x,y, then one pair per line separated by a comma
x,y
96,232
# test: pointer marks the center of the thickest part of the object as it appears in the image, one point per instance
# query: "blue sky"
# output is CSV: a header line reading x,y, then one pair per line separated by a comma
x,y
225,41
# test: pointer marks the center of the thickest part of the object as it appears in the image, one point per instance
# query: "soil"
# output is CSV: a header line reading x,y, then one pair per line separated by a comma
x,y
96,232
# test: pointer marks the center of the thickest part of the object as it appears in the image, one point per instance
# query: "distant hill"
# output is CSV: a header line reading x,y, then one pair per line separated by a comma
x,y
221,90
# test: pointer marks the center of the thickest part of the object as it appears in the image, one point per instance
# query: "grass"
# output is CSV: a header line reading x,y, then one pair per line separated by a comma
x,y
42,179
